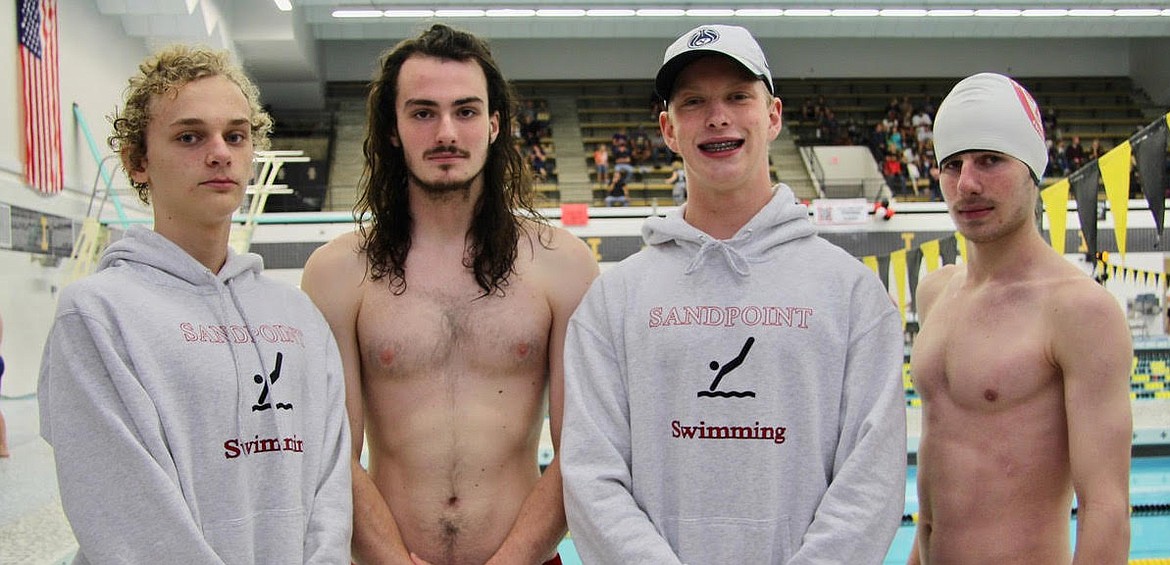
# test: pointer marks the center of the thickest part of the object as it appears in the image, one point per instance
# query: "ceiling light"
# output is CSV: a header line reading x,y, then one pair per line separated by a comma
x,y
1141,13
798,12
901,13
357,13
559,13
459,13
996,13
283,5
950,13
718,12
852,13
609,13
711,12
510,13
1044,13
408,13
766,12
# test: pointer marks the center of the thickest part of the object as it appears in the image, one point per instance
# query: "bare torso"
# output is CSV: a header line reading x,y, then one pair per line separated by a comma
x,y
994,477
454,394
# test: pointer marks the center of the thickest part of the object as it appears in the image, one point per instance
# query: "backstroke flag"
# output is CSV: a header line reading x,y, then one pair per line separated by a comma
x,y
36,30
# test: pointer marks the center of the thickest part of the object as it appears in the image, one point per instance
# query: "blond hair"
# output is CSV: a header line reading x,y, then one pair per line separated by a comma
x,y
166,72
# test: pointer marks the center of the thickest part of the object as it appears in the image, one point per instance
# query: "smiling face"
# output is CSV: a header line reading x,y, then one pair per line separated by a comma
x,y
721,120
198,153
444,125
989,194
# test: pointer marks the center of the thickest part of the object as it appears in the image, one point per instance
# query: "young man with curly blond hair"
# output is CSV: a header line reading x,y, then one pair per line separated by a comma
x,y
195,407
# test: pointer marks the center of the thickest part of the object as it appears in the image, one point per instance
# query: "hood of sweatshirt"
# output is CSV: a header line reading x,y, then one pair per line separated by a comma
x,y
780,221
148,248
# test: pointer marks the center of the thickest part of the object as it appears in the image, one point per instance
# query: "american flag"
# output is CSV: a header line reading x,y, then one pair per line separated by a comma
x,y
37,34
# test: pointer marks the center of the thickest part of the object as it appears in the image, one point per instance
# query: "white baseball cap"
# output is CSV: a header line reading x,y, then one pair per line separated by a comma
x,y
731,41
991,112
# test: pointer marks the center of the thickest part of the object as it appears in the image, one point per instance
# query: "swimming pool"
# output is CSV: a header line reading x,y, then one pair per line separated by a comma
x,y
1149,487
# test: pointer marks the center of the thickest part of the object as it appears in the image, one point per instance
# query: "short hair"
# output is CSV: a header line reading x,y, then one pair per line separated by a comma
x,y
382,190
166,72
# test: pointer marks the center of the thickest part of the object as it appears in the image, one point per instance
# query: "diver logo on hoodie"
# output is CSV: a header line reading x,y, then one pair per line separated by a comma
x,y
263,403
722,371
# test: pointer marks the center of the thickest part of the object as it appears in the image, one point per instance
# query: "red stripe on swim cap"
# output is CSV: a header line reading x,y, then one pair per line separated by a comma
x,y
1030,108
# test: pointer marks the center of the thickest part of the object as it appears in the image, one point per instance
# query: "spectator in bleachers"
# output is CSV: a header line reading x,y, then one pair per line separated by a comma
x,y
877,141
820,107
852,133
894,173
911,168
601,162
539,162
1058,164
828,128
935,186
617,194
922,123
1075,153
620,135
891,121
894,141
1096,151
807,111
643,150
623,156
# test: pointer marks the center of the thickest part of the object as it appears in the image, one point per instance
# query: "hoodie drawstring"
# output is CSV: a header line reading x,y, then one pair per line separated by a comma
x,y
734,258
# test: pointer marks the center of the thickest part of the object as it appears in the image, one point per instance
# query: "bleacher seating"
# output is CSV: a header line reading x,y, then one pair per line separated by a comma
x,y
1104,108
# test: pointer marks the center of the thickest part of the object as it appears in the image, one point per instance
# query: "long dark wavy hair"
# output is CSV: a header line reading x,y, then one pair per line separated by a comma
x,y
507,184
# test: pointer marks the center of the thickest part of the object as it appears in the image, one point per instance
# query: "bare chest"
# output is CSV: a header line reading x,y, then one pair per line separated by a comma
x,y
451,327
984,354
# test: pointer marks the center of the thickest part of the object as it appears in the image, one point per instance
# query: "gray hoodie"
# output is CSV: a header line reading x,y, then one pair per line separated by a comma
x,y
735,401
196,417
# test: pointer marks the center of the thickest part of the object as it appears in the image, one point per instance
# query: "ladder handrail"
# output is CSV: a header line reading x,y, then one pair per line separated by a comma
x,y
102,170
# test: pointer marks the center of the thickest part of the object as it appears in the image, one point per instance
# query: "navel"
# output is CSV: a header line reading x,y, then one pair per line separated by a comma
x,y
990,395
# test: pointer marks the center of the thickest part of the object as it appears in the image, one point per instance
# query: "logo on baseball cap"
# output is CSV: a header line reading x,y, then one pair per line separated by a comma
x,y
731,41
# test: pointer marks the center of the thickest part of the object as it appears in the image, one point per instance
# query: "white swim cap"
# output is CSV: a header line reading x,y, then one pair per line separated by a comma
x,y
991,112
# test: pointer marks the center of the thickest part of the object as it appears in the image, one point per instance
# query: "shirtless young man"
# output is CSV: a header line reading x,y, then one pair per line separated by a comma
x,y
1022,362
450,310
